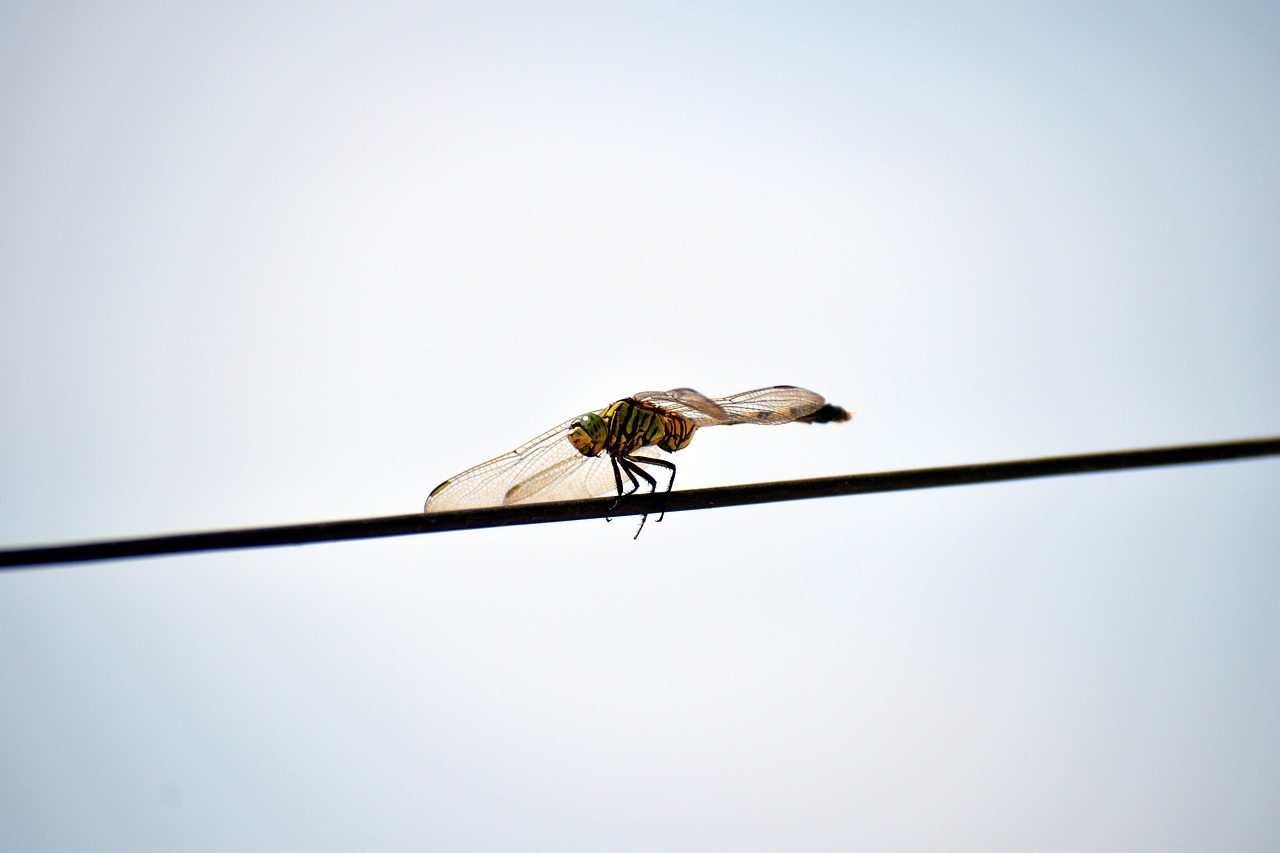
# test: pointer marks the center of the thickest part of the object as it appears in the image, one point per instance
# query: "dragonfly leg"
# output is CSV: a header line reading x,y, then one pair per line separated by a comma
x,y
633,471
617,479
661,463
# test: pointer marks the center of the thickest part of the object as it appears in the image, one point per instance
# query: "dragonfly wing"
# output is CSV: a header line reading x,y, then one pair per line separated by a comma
x,y
778,404
573,478
698,402
693,406
503,480
585,477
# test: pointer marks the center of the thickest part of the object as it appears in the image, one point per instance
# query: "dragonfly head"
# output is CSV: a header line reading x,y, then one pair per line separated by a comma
x,y
588,434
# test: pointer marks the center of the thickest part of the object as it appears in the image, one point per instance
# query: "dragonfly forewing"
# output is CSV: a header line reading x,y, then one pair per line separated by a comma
x,y
489,483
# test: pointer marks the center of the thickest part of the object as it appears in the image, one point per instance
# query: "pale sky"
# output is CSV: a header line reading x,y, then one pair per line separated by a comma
x,y
274,263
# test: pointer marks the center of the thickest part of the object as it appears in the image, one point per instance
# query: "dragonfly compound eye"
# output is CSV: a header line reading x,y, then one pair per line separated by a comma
x,y
588,434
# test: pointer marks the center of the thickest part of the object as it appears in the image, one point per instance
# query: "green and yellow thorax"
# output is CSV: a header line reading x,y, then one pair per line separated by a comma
x,y
628,425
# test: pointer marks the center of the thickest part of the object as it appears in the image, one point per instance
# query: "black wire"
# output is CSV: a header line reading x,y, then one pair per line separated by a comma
x,y
723,496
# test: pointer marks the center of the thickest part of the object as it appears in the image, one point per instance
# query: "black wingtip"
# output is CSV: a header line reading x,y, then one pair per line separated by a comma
x,y
827,414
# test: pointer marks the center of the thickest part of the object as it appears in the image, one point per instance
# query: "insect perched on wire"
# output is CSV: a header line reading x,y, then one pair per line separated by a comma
x,y
590,455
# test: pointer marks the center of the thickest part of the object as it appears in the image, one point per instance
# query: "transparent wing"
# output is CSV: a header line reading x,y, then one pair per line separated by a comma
x,y
581,481
778,404
548,468
542,461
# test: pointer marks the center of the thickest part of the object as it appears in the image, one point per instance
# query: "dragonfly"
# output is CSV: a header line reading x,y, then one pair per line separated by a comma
x,y
620,447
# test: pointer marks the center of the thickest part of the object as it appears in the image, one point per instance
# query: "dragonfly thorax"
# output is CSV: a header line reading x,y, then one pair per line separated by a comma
x,y
627,426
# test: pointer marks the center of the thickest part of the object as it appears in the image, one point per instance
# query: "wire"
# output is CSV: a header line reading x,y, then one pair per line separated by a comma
x,y
723,496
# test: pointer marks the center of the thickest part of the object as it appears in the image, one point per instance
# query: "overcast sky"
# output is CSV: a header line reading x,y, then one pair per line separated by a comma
x,y
270,263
